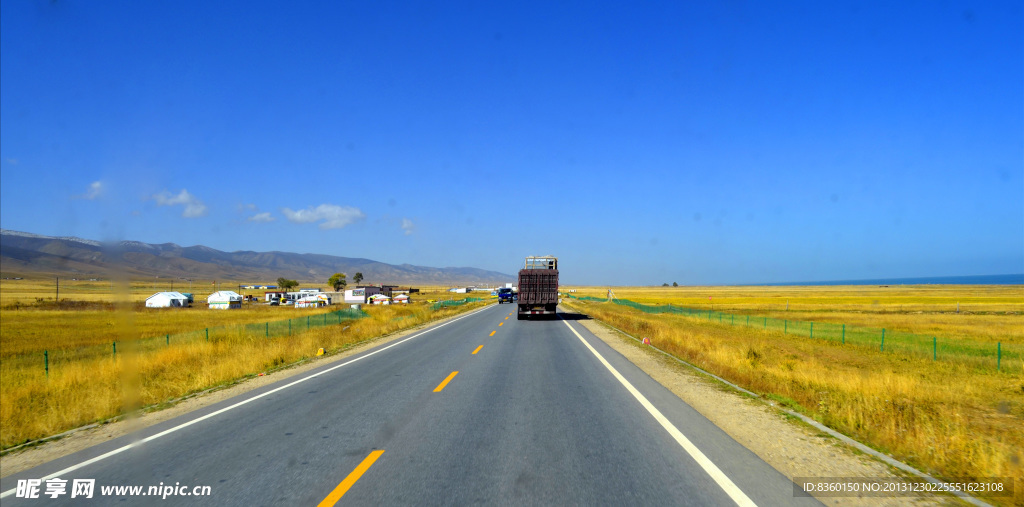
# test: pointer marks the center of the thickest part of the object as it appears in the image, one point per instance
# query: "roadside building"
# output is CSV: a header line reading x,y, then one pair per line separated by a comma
x,y
355,296
370,290
400,299
271,295
224,300
167,300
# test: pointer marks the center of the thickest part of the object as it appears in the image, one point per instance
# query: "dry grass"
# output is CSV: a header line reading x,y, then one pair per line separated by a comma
x,y
43,326
987,313
89,390
948,418
34,329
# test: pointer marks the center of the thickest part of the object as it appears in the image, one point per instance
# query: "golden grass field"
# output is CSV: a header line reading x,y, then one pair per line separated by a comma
x,y
946,417
84,386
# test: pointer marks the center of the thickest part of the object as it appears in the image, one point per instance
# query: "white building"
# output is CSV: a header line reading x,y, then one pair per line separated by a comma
x,y
400,299
167,300
224,300
355,296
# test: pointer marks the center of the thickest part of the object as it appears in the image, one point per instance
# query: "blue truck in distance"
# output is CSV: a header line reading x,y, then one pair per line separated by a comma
x,y
505,295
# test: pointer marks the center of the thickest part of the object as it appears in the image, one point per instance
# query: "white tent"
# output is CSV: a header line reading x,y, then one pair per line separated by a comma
x,y
401,298
167,300
379,299
312,301
224,300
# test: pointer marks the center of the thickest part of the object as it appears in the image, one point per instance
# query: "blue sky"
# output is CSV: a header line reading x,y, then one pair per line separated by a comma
x,y
712,143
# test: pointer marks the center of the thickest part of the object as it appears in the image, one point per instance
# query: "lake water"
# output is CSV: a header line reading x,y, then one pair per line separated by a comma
x,y
1012,279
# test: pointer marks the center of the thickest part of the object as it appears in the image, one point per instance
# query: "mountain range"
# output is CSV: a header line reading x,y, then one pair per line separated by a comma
x,y
23,253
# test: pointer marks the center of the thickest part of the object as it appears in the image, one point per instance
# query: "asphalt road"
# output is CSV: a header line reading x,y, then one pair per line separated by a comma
x,y
534,417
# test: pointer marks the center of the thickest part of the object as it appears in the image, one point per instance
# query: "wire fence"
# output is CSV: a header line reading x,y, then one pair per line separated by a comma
x,y
454,302
983,355
265,330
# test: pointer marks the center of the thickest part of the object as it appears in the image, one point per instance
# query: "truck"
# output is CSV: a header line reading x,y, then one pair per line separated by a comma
x,y
505,295
538,287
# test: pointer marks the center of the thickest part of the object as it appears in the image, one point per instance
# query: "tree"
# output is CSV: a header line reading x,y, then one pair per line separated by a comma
x,y
664,284
286,284
337,281
358,278
674,284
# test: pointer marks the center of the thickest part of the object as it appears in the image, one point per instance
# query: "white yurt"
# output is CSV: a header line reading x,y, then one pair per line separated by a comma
x,y
379,299
224,300
400,299
167,300
312,301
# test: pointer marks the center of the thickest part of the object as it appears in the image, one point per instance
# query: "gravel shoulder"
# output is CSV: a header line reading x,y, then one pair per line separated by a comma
x,y
791,447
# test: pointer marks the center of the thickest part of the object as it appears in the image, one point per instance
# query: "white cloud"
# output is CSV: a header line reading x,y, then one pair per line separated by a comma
x,y
332,215
194,208
95,190
408,226
261,217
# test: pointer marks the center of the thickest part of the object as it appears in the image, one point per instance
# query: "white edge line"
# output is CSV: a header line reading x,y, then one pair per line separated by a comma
x,y
236,405
723,481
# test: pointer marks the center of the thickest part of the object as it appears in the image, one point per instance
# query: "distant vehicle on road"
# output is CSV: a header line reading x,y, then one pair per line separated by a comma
x,y
538,287
505,295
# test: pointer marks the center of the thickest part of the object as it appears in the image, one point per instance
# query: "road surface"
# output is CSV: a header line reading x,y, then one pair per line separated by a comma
x,y
482,409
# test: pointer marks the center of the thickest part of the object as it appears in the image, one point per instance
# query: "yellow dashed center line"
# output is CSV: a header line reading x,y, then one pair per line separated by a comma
x,y
501,324
342,488
492,333
478,349
506,318
445,382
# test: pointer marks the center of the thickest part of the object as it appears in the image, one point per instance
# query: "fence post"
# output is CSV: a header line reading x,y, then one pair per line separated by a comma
x,y
266,332
882,348
115,350
168,339
785,327
999,354
307,321
844,334
766,323
289,327
935,349
812,330
46,362
207,334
